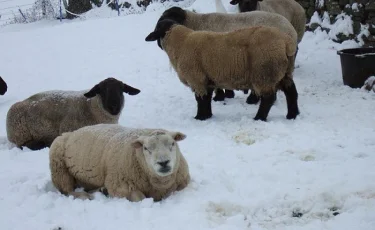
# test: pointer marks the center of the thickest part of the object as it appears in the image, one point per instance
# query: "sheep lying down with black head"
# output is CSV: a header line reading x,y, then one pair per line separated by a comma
x,y
128,163
36,121
260,58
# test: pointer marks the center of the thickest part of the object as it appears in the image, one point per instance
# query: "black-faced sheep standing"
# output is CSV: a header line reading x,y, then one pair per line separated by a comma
x,y
3,87
36,121
128,163
223,22
258,58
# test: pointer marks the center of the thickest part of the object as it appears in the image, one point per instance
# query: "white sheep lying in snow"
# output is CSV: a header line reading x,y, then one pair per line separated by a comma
x,y
129,163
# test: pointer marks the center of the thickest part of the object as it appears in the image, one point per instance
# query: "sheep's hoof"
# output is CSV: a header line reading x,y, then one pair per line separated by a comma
x,y
252,99
82,195
203,117
257,118
137,196
291,116
219,97
229,93
104,191
35,145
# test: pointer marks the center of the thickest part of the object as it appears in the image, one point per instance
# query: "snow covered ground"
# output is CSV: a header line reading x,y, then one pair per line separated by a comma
x,y
246,174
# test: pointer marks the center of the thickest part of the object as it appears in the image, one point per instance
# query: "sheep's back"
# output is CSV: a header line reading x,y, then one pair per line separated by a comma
x,y
223,22
282,7
87,151
291,10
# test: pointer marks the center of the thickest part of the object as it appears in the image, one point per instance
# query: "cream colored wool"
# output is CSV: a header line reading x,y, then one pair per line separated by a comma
x,y
46,115
103,156
290,9
256,58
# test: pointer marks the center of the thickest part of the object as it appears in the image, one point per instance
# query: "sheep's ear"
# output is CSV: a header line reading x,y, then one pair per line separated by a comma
x,y
138,143
177,136
153,36
130,90
234,2
93,92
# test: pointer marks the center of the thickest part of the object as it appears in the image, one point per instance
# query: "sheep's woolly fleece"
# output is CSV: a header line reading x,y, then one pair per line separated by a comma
x,y
245,174
91,155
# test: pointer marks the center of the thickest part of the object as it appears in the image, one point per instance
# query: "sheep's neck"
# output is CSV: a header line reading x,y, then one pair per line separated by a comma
x,y
162,182
194,21
173,42
98,111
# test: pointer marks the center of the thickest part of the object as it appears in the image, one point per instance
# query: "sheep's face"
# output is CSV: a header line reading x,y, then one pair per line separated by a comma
x,y
111,92
162,27
246,5
159,151
3,87
176,14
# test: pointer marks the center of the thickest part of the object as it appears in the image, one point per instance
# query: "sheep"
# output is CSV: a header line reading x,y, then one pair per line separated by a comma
x,y
126,162
259,58
3,87
223,22
36,121
290,9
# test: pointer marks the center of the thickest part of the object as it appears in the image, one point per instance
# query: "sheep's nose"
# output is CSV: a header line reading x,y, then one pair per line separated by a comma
x,y
113,108
163,164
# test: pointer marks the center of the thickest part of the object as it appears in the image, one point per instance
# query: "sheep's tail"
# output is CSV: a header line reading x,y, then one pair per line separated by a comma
x,y
299,22
291,47
219,7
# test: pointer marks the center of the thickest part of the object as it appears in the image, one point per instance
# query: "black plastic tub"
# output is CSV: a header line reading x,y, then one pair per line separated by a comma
x,y
357,65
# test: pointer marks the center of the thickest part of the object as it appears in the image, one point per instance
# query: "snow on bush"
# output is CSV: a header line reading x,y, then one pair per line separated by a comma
x,y
35,13
341,28
319,3
343,25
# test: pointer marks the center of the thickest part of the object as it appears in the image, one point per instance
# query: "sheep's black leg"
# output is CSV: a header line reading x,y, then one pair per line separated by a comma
x,y
291,95
220,95
295,56
266,103
229,93
35,145
204,105
252,99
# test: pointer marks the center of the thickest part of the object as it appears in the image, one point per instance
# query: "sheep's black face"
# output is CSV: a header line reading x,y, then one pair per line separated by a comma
x,y
3,87
162,27
175,13
246,5
111,94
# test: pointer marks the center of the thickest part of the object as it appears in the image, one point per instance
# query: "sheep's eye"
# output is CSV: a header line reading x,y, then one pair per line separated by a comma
x,y
146,149
170,148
